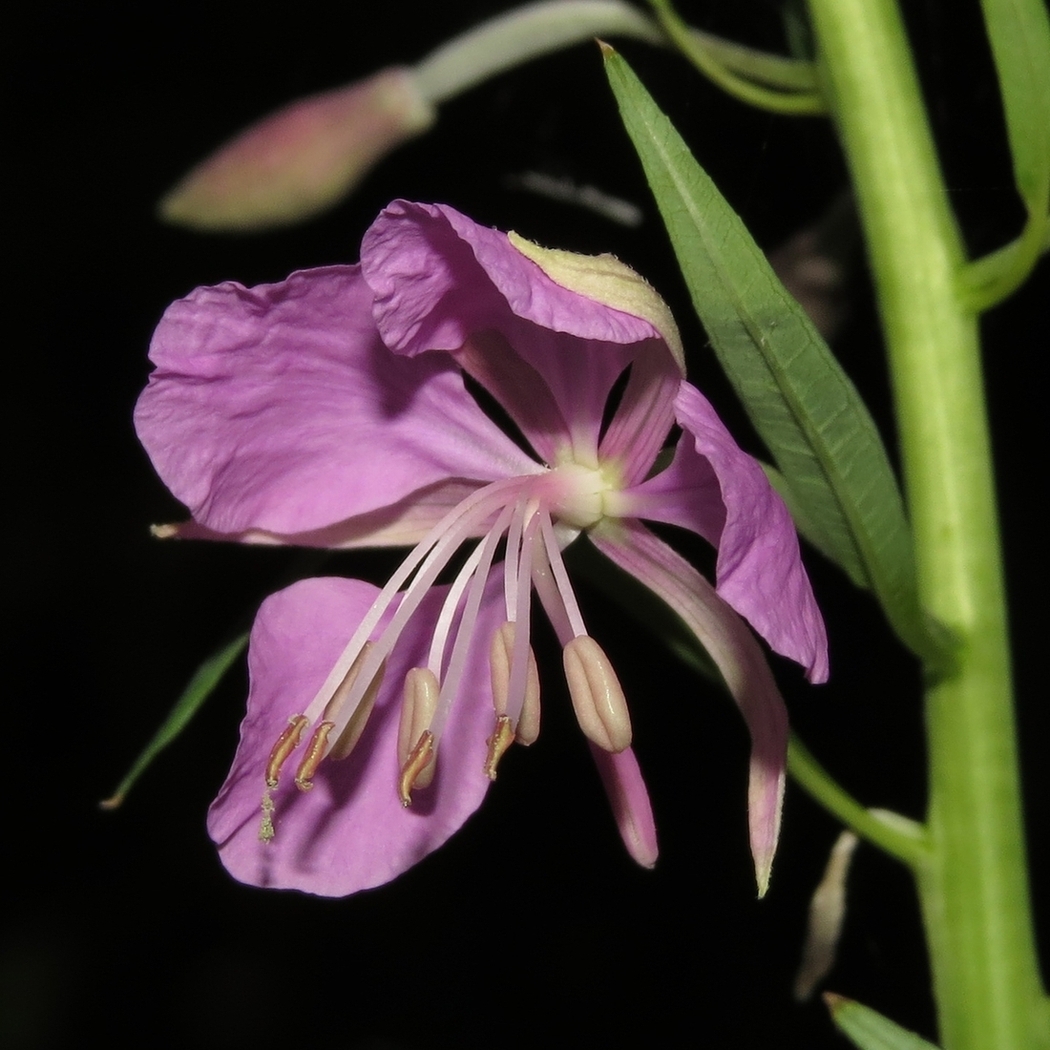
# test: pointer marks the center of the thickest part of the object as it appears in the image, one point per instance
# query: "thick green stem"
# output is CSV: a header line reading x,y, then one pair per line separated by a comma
x,y
972,881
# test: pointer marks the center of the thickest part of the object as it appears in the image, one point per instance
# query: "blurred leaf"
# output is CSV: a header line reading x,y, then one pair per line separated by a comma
x,y
868,1029
802,404
200,687
1019,34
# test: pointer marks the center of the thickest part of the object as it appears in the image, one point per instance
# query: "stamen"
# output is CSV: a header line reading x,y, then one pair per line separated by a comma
x,y
422,693
597,696
561,579
419,762
345,687
512,556
523,709
465,630
501,739
348,738
287,742
355,722
443,627
314,753
429,557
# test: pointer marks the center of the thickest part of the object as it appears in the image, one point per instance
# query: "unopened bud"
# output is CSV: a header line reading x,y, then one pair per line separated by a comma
x,y
302,159
597,697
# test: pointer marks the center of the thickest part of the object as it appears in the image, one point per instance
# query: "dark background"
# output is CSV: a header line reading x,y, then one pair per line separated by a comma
x,y
531,926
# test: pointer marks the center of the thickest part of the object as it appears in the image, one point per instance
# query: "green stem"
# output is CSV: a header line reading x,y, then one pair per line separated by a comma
x,y
896,835
799,98
523,34
972,882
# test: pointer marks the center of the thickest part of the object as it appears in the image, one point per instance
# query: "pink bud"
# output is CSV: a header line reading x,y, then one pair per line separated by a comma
x,y
302,159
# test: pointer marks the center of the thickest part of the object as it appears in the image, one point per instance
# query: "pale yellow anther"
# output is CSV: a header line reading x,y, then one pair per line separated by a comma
x,y
501,739
419,764
418,705
353,729
528,727
315,752
597,696
287,742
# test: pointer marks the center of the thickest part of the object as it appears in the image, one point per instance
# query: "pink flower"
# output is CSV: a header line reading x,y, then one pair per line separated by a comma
x,y
335,408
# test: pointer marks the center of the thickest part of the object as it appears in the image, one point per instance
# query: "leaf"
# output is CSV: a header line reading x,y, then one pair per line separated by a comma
x,y
199,688
802,404
1019,34
868,1029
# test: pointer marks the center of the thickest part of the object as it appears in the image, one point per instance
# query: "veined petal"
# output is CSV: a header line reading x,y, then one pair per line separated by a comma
x,y
279,409
739,659
440,278
350,831
716,489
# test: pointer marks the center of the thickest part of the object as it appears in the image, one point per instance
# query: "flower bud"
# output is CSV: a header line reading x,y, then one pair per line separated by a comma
x,y
302,159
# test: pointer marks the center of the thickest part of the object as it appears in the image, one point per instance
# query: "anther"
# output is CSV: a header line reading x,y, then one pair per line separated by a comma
x,y
500,654
314,753
501,739
287,742
348,738
597,696
421,694
420,760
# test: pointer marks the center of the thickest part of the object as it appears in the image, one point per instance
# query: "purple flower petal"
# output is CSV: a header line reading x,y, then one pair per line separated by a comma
x,y
716,489
440,279
350,832
278,408
739,659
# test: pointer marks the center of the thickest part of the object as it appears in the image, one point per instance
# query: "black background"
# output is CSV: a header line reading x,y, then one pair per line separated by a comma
x,y
531,926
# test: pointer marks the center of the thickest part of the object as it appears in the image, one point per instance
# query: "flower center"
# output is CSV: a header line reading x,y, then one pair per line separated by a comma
x,y
576,493
534,517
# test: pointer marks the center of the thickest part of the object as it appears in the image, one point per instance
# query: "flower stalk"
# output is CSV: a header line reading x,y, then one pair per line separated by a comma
x,y
972,880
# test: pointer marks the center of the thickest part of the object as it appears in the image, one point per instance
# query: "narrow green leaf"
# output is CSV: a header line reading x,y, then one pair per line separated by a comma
x,y
1019,34
200,687
802,404
868,1029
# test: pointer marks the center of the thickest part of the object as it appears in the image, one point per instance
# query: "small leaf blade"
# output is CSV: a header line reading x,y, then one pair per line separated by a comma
x,y
197,690
868,1029
1019,34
